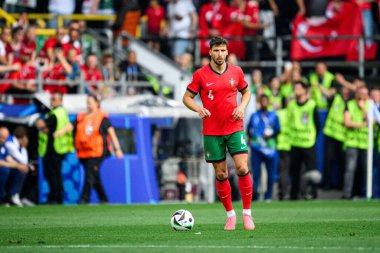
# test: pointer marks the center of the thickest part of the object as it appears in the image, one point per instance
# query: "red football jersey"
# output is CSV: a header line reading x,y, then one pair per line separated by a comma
x,y
218,93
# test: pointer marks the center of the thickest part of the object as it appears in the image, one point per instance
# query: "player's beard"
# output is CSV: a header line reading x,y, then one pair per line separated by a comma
x,y
219,61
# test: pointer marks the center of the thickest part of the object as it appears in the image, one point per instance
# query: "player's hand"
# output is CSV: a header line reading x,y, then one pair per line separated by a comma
x,y
204,113
238,113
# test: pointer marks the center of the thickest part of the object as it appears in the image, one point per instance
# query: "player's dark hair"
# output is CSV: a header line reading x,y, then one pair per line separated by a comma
x,y
218,41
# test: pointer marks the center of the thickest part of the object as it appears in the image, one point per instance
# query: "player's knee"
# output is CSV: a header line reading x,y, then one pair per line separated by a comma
x,y
242,169
221,175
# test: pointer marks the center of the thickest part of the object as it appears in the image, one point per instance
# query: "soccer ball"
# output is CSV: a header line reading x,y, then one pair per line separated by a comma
x,y
182,220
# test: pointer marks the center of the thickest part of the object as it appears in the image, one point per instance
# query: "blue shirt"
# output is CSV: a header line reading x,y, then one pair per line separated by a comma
x,y
3,154
259,124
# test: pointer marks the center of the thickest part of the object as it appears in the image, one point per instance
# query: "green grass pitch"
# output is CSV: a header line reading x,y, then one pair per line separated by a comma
x,y
317,226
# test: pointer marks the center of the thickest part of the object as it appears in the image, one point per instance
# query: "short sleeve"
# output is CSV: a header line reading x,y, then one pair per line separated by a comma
x,y
105,125
194,85
242,85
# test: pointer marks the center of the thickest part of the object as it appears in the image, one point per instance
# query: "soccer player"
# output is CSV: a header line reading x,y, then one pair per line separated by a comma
x,y
218,84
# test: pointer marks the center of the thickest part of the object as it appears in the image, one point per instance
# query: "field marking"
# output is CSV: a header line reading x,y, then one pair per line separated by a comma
x,y
128,246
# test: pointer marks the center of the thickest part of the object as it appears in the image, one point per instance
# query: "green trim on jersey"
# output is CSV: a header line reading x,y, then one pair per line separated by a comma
x,y
215,146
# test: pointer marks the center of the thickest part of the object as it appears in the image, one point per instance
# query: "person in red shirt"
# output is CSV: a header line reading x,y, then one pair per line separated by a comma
x,y
235,18
91,74
57,72
13,48
251,25
29,44
26,77
47,50
155,14
72,40
223,127
212,20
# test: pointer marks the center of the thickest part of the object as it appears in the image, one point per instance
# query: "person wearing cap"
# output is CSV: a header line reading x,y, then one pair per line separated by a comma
x,y
303,128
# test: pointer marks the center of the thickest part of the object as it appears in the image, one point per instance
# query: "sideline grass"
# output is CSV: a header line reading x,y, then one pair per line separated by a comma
x,y
320,226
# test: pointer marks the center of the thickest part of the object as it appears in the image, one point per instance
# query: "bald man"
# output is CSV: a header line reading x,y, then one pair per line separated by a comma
x,y
7,164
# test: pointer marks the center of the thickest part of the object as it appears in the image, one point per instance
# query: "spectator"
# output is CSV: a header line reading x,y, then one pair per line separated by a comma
x,y
29,44
182,24
212,20
25,77
8,166
92,129
13,48
268,12
72,40
283,149
251,25
286,88
186,63
356,142
335,136
59,7
110,72
5,38
273,93
263,128
321,82
132,71
234,28
16,145
155,15
74,75
303,126
54,149
47,50
57,72
91,73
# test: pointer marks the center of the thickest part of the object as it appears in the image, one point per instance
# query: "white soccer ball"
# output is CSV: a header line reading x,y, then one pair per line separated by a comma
x,y
182,220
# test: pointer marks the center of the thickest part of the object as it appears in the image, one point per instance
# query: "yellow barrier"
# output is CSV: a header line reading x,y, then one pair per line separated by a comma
x,y
10,20
61,18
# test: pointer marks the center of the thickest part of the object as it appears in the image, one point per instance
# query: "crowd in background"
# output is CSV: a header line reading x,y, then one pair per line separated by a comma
x,y
293,110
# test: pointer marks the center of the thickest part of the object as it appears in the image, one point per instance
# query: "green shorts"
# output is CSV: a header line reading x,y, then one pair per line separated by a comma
x,y
215,146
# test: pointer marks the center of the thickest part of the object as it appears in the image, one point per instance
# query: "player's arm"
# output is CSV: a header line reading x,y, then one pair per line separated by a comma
x,y
238,113
188,101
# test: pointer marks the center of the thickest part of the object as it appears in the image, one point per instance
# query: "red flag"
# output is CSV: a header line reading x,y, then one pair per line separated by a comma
x,y
347,22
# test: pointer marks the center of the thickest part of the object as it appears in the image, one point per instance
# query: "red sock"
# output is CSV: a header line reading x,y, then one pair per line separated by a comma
x,y
245,187
224,192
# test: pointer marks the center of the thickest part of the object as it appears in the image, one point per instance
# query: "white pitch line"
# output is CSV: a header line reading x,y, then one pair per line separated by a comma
x,y
125,246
